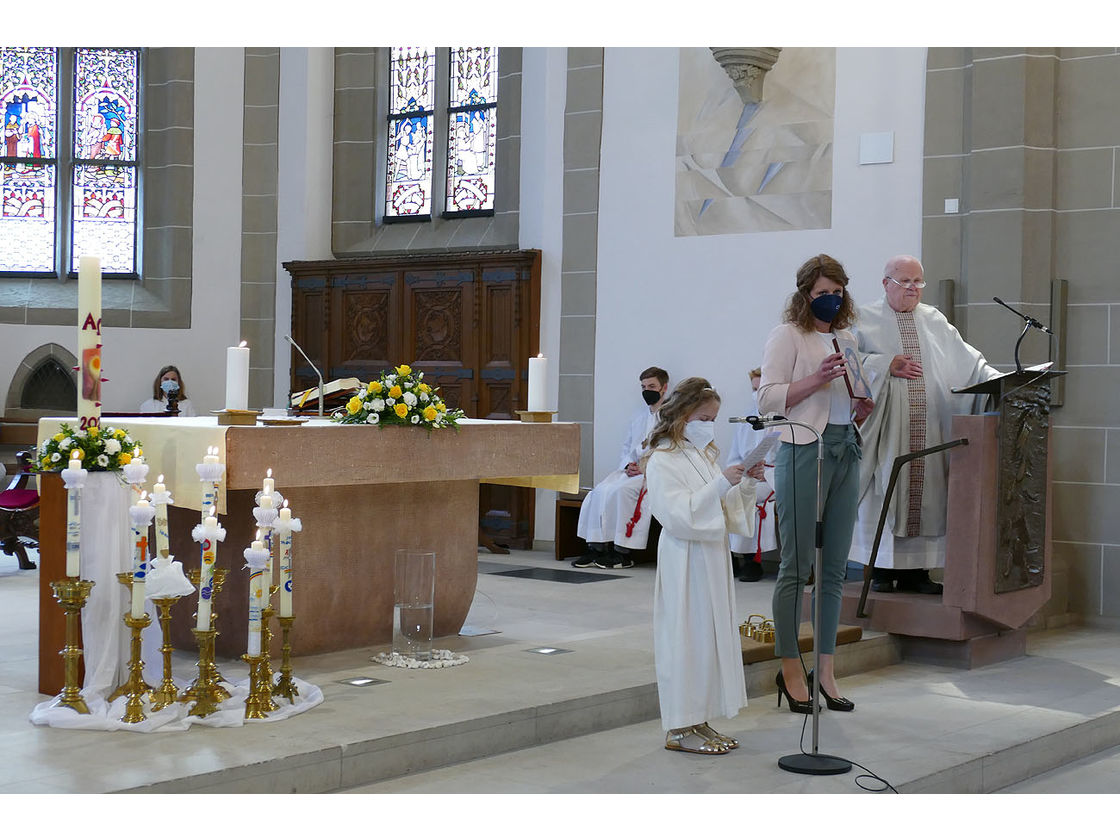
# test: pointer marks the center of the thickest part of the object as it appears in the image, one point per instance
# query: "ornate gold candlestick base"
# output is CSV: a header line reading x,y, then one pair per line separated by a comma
x,y
71,594
168,692
204,691
135,688
266,656
216,586
125,580
259,702
285,686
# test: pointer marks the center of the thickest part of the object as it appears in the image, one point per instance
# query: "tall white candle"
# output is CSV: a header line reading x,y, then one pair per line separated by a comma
x,y
89,342
237,377
73,525
285,563
538,384
206,575
269,482
257,598
163,537
140,562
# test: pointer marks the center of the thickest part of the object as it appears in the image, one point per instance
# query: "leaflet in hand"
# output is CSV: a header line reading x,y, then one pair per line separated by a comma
x,y
762,452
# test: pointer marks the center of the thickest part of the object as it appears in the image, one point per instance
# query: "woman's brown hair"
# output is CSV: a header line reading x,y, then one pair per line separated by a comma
x,y
798,311
685,399
157,392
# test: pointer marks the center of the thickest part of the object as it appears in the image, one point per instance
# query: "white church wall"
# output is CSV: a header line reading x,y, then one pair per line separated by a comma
x,y
703,305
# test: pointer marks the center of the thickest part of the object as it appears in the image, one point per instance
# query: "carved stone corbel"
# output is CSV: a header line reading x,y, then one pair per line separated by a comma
x,y
747,68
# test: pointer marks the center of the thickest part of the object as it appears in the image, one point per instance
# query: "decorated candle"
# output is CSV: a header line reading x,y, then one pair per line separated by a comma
x,y
538,383
141,514
74,514
237,377
256,556
206,572
285,529
89,342
163,538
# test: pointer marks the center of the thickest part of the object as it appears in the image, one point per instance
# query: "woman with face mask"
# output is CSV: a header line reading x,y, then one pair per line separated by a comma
x,y
802,379
168,383
696,646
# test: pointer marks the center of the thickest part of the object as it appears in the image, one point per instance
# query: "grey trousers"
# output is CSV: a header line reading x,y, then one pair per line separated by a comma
x,y
795,496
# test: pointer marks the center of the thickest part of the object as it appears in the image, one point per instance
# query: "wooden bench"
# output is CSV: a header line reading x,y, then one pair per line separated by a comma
x,y
569,545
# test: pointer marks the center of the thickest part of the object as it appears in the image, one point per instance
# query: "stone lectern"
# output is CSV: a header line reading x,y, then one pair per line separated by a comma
x,y
997,555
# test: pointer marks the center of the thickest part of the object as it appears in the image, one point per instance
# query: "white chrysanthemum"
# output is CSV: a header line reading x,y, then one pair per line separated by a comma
x,y
415,418
378,404
409,399
102,460
55,457
424,397
373,419
112,446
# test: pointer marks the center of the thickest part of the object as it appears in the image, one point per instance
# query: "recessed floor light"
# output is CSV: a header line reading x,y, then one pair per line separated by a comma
x,y
548,651
362,682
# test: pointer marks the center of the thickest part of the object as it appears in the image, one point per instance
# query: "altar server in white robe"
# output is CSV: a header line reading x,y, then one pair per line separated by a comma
x,y
614,517
695,638
914,358
746,552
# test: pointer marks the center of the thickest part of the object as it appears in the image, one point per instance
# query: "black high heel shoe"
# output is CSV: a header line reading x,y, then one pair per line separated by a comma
x,y
801,707
837,704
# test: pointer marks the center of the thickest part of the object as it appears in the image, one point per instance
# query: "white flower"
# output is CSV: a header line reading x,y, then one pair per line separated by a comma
x,y
373,419
80,434
389,401
368,406
409,399
55,457
112,446
102,460
65,443
378,404
108,430
392,377
424,397
127,441
415,418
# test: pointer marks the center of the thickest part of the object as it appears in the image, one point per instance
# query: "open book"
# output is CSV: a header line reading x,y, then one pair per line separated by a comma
x,y
331,392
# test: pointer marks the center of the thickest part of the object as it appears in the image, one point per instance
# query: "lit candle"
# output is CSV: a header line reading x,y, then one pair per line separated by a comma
x,y
89,341
211,456
538,383
237,377
269,483
285,561
163,538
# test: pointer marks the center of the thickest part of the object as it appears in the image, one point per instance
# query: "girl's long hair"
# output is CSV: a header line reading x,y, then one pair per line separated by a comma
x,y
689,395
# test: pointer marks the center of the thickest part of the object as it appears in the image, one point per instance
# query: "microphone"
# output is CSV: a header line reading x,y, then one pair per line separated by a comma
x,y
1031,322
757,423
288,338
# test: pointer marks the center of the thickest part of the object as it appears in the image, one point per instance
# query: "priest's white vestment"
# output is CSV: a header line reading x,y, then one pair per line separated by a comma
x,y
696,648
616,510
914,532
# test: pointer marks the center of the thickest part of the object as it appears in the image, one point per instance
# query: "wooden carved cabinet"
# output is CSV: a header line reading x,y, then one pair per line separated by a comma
x,y
470,321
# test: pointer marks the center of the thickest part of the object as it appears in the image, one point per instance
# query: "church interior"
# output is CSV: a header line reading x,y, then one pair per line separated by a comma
x,y
634,206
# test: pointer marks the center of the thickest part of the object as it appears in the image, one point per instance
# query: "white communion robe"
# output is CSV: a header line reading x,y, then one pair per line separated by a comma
x,y
765,535
616,509
914,532
696,648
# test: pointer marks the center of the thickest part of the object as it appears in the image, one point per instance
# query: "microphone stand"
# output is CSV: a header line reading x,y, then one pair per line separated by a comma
x,y
288,338
1030,322
814,763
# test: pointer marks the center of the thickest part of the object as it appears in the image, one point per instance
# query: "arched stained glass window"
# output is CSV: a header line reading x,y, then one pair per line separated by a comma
x,y
408,179
72,191
472,129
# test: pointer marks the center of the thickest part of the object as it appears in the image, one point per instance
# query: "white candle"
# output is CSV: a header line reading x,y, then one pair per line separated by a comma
x,y
538,383
286,565
269,483
266,500
73,525
163,536
140,564
237,377
206,574
89,342
211,456
256,583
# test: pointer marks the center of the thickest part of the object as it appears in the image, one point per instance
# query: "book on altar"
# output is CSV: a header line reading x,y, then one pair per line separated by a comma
x,y
331,392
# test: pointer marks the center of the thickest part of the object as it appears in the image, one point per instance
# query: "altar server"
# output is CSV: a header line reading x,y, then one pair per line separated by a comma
x,y
614,516
914,358
696,647
746,552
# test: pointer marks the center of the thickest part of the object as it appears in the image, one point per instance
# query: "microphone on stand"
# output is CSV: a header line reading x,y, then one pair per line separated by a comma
x,y
1031,322
758,423
288,338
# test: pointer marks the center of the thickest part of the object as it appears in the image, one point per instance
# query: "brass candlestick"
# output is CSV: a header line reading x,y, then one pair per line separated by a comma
x,y
125,579
168,692
204,691
266,653
285,686
135,688
259,702
71,594
217,579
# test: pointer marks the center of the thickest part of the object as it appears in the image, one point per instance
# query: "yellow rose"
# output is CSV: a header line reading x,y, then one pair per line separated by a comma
x,y
375,387
425,387
125,458
430,414
94,431
59,436
441,406
354,405
120,434
395,392
401,409
403,370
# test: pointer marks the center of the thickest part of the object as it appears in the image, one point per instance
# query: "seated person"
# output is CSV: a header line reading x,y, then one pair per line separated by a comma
x,y
746,552
168,383
614,517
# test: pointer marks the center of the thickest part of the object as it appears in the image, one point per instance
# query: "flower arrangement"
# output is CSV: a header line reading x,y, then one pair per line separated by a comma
x,y
399,398
100,449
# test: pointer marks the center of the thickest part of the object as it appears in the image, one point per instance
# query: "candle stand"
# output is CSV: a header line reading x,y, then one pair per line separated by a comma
x,y
168,692
71,594
266,653
285,686
204,691
259,702
125,579
216,581
135,688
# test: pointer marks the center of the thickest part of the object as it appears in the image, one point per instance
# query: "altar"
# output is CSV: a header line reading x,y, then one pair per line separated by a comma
x,y
361,493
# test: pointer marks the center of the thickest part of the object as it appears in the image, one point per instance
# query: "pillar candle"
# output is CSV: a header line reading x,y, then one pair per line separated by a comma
x,y
269,483
286,565
89,342
73,525
139,564
206,575
257,598
163,537
538,384
237,377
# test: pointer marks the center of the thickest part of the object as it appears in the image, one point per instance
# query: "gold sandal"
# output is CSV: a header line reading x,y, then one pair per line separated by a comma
x,y
698,742
706,730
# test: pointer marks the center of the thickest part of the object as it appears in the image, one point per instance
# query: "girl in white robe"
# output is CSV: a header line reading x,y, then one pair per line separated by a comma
x,y
696,642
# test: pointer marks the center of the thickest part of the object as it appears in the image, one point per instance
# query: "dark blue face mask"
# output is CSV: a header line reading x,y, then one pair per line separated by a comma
x,y
826,307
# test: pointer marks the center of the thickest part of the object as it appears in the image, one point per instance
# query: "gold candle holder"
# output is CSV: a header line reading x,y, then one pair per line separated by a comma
x,y
285,686
135,688
266,652
205,691
219,578
71,594
125,580
168,692
259,702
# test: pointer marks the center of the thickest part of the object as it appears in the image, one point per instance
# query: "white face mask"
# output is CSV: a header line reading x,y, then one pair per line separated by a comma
x,y
700,432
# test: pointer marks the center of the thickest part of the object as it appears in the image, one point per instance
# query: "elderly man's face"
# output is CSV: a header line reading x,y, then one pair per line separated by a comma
x,y
902,294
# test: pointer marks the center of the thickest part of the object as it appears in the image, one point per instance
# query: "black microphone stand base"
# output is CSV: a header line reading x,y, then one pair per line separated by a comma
x,y
814,764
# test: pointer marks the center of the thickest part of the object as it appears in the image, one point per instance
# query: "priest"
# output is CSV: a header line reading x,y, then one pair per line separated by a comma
x,y
914,359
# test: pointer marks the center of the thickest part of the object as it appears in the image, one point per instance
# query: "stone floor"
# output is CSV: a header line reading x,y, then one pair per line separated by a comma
x,y
585,720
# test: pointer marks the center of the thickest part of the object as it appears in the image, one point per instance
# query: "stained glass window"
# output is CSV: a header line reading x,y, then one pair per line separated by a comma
x,y
408,179
472,129
81,185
